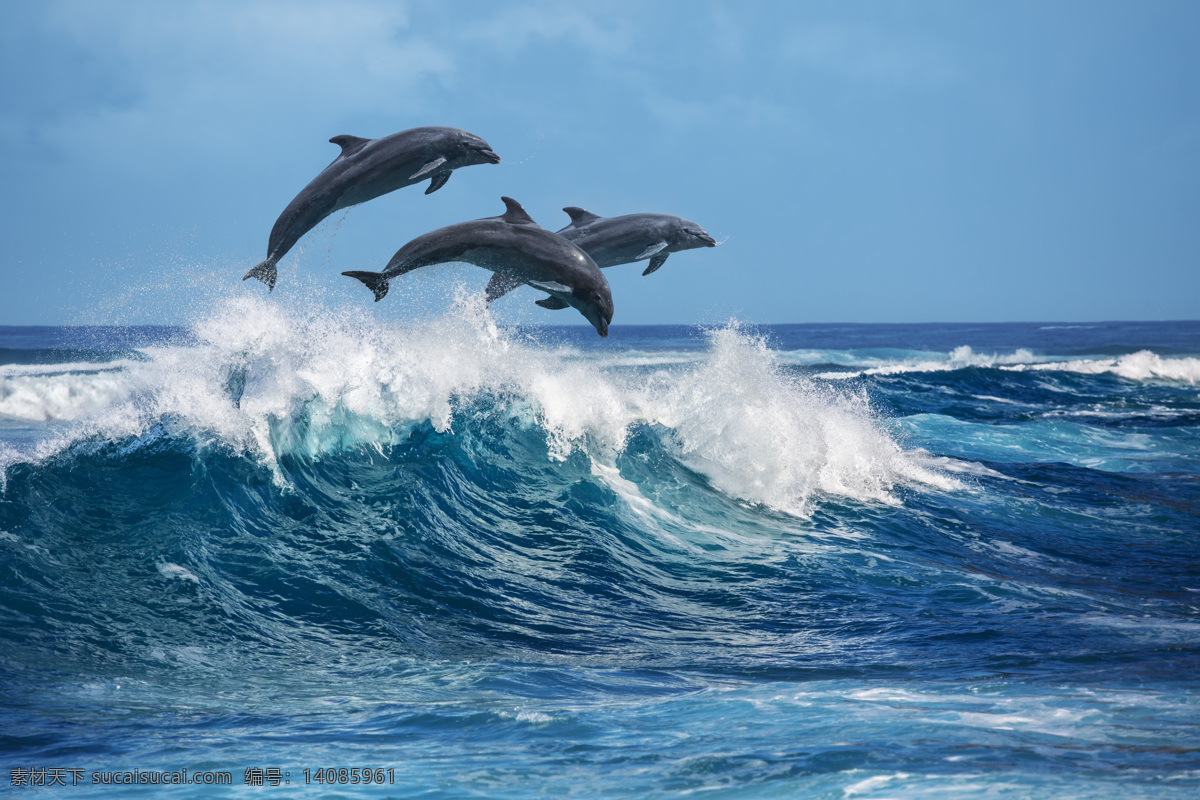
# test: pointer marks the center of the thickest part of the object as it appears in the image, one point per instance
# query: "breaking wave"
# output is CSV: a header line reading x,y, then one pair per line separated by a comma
x,y
1140,366
268,383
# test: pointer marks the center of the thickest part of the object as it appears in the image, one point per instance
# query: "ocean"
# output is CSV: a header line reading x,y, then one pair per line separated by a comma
x,y
303,552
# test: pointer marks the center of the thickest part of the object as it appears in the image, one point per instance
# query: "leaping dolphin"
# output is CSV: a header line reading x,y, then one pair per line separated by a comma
x,y
515,246
369,168
622,240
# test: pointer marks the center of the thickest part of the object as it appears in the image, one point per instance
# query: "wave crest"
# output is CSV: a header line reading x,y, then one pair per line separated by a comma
x,y
1140,366
272,382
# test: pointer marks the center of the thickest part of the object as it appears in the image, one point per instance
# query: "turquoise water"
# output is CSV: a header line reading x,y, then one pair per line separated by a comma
x,y
789,561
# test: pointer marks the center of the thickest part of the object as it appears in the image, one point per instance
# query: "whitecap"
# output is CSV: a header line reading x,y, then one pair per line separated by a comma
x,y
959,358
169,570
1140,366
267,381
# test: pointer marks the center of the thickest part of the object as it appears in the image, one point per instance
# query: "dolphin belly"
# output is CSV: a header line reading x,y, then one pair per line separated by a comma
x,y
361,191
610,254
312,206
301,216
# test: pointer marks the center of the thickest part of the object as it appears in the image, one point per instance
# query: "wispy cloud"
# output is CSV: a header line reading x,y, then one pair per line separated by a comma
x,y
603,31
867,54
190,72
679,116
216,76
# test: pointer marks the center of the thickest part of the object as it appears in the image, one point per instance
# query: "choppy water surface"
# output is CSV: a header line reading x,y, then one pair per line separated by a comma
x,y
828,561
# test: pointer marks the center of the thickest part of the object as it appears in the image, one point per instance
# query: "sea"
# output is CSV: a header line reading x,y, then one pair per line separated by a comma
x,y
304,551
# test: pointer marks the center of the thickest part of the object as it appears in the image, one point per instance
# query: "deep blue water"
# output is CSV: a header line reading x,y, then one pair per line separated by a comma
x,y
841,561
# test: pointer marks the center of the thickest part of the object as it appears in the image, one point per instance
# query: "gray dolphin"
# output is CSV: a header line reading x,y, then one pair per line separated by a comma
x,y
369,168
622,240
515,246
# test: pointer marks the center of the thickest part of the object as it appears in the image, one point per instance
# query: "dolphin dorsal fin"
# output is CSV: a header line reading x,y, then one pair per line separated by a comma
x,y
349,144
580,217
515,215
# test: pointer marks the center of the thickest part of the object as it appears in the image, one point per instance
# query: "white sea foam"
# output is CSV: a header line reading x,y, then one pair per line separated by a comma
x,y
270,381
641,505
62,395
953,465
873,783
1068,716
1016,551
12,370
636,359
1146,628
1140,366
777,440
169,570
958,358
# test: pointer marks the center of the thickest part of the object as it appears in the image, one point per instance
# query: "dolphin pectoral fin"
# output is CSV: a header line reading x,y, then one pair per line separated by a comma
x,y
656,262
438,181
428,168
265,271
375,281
651,250
550,287
553,303
499,286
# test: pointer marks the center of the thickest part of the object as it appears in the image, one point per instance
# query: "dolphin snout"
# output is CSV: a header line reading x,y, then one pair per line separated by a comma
x,y
597,318
708,240
489,154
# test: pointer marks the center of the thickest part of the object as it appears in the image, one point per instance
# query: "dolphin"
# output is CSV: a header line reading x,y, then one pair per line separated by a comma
x,y
366,169
515,246
622,240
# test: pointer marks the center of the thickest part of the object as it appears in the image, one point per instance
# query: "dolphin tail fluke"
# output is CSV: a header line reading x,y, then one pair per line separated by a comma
x,y
265,272
375,281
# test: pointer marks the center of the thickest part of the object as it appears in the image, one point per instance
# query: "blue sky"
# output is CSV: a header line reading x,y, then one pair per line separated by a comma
x,y
865,161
